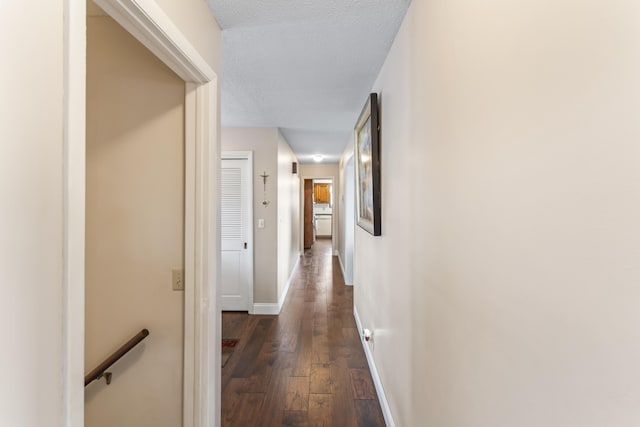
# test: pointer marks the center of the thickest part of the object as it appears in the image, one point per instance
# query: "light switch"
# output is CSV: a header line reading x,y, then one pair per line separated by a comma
x,y
261,223
177,279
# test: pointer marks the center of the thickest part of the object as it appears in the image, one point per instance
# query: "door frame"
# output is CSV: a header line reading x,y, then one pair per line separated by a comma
x,y
246,155
148,23
304,214
334,228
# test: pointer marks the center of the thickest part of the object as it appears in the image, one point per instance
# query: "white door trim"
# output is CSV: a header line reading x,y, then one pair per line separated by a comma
x,y
246,155
74,213
148,23
334,223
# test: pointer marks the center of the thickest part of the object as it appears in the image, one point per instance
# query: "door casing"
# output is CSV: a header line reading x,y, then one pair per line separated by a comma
x,y
334,228
307,208
148,23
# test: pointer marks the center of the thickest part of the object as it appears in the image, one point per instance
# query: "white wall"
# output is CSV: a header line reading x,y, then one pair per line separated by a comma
x,y
503,291
134,229
342,220
31,186
288,214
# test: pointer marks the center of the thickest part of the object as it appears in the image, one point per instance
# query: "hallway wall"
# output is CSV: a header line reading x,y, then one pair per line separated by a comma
x,y
31,186
263,143
503,290
341,212
274,256
288,215
134,230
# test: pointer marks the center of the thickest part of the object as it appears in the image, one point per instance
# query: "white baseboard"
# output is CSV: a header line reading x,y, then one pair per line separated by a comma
x,y
336,253
266,308
283,297
275,308
384,404
344,276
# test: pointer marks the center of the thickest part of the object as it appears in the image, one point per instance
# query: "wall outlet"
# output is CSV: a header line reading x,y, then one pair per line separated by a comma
x,y
177,279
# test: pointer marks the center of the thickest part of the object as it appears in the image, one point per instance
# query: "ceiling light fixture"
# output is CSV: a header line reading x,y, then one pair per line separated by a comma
x,y
318,158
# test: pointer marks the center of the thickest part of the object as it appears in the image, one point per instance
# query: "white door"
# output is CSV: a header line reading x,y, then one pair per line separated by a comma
x,y
236,288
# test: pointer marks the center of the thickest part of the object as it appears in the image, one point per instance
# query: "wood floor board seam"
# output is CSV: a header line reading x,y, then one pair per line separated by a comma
x,y
305,367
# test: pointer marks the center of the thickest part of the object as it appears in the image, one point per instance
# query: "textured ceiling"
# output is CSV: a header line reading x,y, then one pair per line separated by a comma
x,y
304,66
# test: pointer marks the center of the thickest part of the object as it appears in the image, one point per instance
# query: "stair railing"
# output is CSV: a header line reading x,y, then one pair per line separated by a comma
x,y
100,370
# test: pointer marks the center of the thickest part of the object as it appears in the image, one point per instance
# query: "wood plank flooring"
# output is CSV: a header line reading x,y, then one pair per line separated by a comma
x,y
305,367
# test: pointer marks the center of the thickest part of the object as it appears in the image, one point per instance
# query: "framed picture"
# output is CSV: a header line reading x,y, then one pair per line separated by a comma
x,y
367,152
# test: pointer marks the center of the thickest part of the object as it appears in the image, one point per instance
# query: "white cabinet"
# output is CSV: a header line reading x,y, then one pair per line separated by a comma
x,y
323,225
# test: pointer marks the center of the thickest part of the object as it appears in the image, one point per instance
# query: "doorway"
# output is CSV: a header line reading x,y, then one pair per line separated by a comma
x,y
135,226
150,24
318,210
323,208
309,236
236,231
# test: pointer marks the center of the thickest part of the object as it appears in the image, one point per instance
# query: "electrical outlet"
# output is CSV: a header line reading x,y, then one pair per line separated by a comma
x,y
177,279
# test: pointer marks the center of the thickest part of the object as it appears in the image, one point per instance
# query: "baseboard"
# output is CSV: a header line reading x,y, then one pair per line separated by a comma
x,y
275,308
336,253
283,297
344,276
384,404
266,308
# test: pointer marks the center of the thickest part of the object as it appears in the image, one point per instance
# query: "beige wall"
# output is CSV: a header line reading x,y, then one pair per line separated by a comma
x,y
31,186
134,229
288,214
503,291
275,255
263,143
93,10
319,170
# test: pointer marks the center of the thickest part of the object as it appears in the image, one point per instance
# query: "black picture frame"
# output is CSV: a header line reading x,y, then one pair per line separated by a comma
x,y
367,165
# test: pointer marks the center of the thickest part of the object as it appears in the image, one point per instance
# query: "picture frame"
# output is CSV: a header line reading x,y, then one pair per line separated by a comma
x,y
367,166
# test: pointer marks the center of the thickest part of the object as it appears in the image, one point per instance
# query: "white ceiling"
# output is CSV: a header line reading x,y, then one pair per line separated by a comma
x,y
304,66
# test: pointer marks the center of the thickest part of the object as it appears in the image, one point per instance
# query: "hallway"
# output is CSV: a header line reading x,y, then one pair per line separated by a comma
x,y
305,367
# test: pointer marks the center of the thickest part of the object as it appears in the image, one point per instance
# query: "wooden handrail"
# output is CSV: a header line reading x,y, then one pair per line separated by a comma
x,y
124,349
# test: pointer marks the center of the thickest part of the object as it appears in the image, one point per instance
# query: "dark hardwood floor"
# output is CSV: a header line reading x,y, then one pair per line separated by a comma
x,y
305,367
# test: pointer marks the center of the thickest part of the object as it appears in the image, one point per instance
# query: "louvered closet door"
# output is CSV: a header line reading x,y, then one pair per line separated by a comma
x,y
236,257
